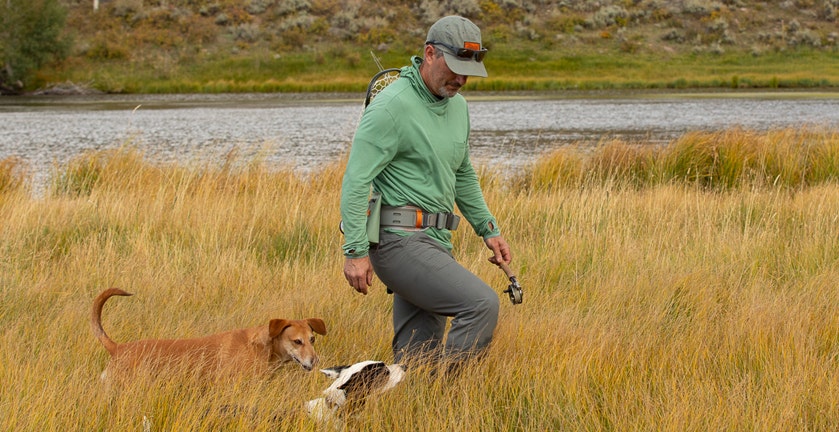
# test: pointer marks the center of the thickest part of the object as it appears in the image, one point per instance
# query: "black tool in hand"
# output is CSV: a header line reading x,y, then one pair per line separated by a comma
x,y
514,290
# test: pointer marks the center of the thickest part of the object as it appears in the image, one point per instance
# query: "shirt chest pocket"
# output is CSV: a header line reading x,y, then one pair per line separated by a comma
x,y
448,140
456,154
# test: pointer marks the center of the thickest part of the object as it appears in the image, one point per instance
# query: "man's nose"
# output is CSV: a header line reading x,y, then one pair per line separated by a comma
x,y
461,79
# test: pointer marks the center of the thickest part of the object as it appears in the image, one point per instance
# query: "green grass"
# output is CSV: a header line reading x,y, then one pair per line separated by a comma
x,y
680,303
591,71
349,70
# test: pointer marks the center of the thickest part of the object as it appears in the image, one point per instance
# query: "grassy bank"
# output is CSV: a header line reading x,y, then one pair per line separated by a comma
x,y
511,69
662,291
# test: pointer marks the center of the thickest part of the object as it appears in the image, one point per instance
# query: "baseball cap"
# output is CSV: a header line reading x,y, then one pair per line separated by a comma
x,y
461,43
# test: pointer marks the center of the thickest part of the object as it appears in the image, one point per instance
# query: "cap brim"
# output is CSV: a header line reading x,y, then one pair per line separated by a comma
x,y
465,67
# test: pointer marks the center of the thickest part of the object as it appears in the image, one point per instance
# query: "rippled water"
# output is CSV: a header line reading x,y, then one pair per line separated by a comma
x,y
303,132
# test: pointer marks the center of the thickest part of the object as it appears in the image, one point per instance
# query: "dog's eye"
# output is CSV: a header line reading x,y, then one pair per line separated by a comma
x,y
312,340
298,342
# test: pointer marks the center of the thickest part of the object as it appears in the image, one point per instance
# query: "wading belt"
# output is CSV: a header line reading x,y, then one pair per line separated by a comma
x,y
414,217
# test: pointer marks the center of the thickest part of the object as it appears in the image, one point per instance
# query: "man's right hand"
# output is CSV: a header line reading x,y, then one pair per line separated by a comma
x,y
359,273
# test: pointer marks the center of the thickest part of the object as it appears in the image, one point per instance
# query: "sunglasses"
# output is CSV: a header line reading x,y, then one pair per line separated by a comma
x,y
463,53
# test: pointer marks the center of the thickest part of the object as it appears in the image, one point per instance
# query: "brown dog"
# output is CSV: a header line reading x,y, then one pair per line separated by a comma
x,y
263,347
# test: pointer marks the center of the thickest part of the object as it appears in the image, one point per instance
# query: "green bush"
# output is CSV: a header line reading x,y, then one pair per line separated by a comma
x,y
30,37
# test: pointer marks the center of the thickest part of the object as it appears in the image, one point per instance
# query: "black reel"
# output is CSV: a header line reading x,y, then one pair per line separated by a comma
x,y
514,291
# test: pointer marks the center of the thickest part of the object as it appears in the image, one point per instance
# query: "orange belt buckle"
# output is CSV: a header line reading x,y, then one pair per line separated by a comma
x,y
419,218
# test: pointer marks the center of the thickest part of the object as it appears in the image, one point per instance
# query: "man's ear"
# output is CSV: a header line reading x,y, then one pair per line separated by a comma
x,y
429,52
317,325
276,327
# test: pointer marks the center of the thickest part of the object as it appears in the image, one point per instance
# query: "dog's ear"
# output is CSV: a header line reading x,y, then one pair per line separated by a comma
x,y
276,327
317,325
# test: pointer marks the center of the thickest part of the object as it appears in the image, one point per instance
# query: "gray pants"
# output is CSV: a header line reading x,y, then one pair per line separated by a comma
x,y
428,285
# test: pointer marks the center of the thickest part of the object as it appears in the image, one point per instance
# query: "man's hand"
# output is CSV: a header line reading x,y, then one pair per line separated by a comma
x,y
500,250
359,273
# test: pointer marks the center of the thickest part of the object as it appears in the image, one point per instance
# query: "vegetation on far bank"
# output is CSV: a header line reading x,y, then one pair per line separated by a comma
x,y
325,45
510,70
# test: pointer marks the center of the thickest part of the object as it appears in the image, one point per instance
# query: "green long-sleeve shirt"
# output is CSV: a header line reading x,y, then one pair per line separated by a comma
x,y
413,148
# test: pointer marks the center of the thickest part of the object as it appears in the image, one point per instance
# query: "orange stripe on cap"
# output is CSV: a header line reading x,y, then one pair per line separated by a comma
x,y
474,46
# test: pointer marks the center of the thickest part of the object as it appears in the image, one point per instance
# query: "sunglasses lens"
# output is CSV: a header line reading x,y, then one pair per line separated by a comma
x,y
464,53
469,54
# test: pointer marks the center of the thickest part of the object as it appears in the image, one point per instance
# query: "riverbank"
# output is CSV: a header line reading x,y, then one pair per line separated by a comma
x,y
325,46
510,71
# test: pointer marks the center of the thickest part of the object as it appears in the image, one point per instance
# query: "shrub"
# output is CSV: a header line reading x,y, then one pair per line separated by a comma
x,y
565,23
290,6
31,35
674,35
107,46
609,16
700,8
246,32
198,30
126,8
257,7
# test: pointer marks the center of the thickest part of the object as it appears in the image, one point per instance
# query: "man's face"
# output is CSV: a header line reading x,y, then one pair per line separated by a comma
x,y
438,77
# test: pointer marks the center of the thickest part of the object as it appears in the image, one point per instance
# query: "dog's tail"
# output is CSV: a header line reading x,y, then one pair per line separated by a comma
x,y
96,318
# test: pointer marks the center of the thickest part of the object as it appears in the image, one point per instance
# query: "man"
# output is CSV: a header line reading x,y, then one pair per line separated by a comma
x,y
412,145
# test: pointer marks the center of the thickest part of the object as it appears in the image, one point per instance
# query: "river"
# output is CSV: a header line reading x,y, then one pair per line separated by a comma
x,y
305,131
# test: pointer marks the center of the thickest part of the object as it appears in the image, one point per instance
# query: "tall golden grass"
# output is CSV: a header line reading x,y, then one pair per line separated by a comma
x,y
661,293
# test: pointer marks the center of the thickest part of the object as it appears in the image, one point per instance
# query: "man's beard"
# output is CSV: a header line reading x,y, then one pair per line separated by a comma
x,y
443,91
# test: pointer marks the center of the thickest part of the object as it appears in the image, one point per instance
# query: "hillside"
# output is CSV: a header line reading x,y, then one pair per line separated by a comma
x,y
325,44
